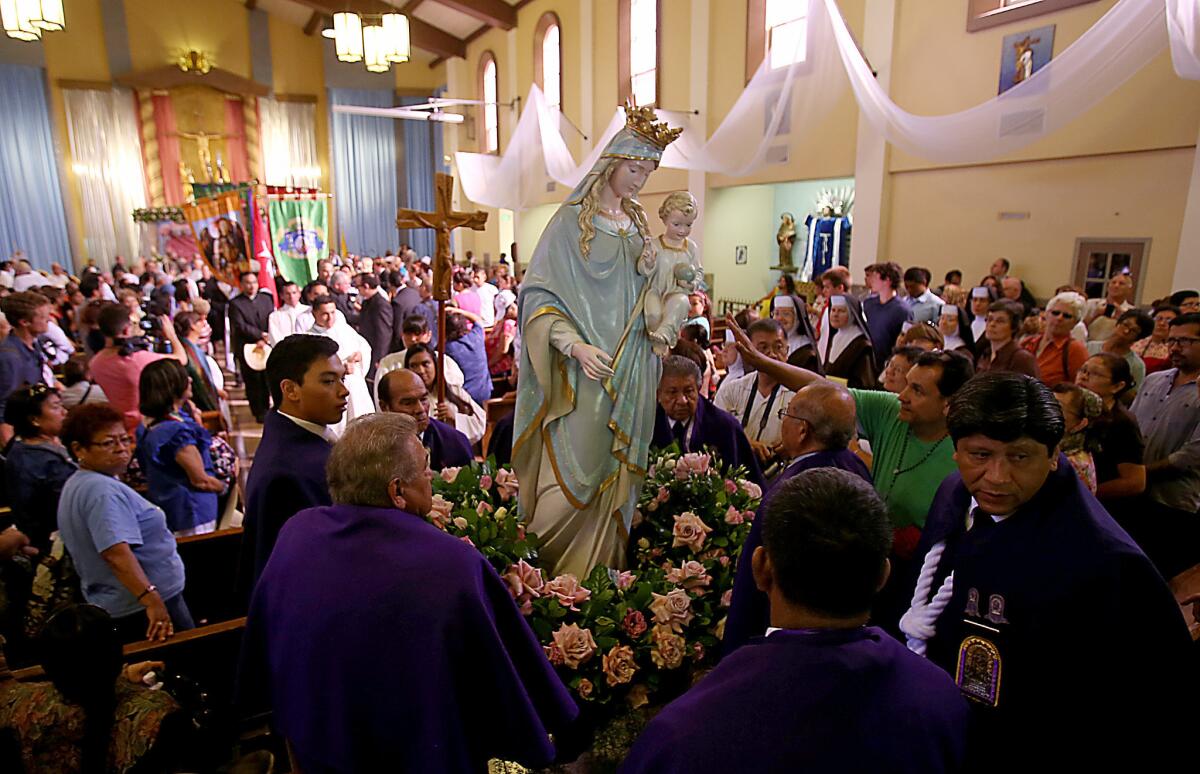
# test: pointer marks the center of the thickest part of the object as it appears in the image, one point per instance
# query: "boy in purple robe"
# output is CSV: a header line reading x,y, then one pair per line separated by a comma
x,y
386,644
817,426
687,418
1054,624
404,392
305,379
822,691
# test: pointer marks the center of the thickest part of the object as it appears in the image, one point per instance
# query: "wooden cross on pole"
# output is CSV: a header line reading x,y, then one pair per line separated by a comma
x,y
442,220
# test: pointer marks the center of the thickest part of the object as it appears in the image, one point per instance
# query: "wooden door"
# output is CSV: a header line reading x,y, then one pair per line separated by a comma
x,y
1099,260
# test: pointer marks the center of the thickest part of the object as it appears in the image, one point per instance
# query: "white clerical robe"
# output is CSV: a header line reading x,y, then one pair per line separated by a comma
x,y
285,320
349,344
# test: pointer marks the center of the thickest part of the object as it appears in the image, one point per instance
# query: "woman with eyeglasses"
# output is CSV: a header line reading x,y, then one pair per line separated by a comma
x,y
1059,356
1120,470
1131,326
1153,348
999,351
123,550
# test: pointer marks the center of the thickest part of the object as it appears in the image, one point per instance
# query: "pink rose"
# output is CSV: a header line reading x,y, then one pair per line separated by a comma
x,y
634,623
697,651
733,516
673,609
525,583
440,512
748,515
568,592
638,696
483,507
576,645
618,665
751,489
449,474
689,531
520,532
625,579
669,648
553,655
467,540
506,484
727,598
690,576
663,495
693,464
724,561
652,471
459,522
585,688
730,487
485,482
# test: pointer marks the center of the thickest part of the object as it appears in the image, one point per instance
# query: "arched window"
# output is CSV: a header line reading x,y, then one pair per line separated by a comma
x,y
489,92
638,22
547,58
776,30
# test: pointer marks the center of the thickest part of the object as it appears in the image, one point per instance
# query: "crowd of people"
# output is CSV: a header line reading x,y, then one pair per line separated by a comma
x,y
953,477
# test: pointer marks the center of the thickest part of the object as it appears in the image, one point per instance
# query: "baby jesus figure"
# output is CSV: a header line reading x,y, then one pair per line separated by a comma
x,y
674,270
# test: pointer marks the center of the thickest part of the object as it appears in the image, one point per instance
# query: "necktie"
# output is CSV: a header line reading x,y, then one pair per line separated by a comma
x,y
679,431
981,522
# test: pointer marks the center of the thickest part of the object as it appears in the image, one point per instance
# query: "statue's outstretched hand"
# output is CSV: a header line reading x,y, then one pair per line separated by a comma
x,y
595,362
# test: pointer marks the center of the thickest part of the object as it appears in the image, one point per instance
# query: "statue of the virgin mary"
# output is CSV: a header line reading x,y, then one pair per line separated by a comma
x,y
586,390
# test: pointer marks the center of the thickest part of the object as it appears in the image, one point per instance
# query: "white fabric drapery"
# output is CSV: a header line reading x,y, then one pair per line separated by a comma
x,y
102,129
779,108
289,143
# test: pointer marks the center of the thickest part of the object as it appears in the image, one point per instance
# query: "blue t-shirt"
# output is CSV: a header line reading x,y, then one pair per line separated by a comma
x,y
169,486
884,322
95,513
470,354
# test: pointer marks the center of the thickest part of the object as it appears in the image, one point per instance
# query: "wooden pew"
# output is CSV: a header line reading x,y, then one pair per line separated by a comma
x,y
210,563
496,409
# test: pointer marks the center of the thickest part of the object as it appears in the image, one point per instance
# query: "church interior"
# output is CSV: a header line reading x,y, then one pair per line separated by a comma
x,y
941,210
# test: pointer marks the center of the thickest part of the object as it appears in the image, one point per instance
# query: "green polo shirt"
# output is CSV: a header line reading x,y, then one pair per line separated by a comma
x,y
909,493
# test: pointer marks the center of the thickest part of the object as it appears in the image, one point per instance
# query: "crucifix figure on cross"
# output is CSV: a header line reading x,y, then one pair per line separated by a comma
x,y
442,220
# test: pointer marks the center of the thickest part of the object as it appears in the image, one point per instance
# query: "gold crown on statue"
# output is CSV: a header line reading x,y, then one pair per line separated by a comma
x,y
642,120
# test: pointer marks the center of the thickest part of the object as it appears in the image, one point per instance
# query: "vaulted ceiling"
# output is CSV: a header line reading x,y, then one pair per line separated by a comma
x,y
440,28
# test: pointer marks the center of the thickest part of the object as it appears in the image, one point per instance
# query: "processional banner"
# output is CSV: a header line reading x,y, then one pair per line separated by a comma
x,y
219,223
299,236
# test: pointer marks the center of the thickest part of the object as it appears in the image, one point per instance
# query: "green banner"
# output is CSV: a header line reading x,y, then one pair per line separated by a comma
x,y
300,235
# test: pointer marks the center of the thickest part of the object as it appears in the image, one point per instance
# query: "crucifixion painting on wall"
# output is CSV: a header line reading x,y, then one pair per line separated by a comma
x,y
1024,53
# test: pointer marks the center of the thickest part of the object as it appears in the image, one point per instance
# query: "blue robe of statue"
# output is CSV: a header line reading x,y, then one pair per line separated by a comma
x,y
828,245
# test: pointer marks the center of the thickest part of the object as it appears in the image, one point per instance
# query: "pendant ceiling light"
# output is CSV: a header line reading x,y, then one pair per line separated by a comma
x,y
50,16
374,49
18,17
349,39
395,33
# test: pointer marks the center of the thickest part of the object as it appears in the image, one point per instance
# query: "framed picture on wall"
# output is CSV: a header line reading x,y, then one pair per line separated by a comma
x,y
740,255
983,14
1024,53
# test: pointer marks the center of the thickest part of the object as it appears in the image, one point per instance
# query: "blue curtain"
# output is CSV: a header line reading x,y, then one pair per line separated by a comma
x,y
364,172
31,203
418,171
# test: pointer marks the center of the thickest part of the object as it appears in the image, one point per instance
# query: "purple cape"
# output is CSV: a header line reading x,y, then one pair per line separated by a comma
x,y
448,448
1093,654
288,475
715,428
749,610
388,645
852,700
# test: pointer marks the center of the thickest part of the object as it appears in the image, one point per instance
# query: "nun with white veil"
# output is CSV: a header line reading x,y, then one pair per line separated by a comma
x,y
845,347
791,312
956,334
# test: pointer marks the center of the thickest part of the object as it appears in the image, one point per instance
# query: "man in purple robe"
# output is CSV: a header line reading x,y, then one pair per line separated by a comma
x,y
386,644
1054,624
685,417
304,375
404,392
822,691
817,426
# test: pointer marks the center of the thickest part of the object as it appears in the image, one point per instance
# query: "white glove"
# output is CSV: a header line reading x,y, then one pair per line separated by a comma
x,y
918,623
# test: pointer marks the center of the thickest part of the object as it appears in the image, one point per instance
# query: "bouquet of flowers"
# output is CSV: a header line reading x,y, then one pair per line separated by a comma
x,y
477,504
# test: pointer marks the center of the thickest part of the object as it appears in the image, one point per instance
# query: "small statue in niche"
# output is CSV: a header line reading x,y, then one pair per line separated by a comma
x,y
674,269
786,237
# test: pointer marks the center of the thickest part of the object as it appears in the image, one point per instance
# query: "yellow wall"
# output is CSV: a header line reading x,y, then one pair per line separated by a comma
x,y
297,67
160,30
